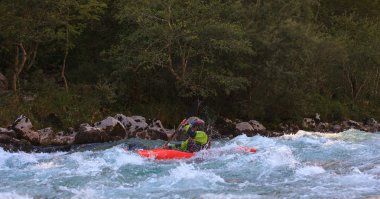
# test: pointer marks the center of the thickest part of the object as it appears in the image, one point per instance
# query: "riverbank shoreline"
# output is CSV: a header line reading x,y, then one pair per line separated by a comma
x,y
21,136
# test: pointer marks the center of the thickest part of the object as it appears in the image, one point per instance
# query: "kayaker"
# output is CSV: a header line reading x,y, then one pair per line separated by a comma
x,y
198,139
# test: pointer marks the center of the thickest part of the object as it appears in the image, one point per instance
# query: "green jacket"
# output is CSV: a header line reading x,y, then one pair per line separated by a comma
x,y
200,142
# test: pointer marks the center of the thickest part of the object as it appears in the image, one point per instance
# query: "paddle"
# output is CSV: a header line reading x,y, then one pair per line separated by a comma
x,y
175,132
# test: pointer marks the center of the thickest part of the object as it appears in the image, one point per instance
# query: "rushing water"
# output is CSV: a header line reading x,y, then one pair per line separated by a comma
x,y
304,165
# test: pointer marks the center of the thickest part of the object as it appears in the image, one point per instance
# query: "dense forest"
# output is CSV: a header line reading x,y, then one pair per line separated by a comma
x,y
273,61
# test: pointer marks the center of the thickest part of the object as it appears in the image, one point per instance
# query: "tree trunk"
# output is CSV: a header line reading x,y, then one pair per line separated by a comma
x,y
18,66
63,77
32,57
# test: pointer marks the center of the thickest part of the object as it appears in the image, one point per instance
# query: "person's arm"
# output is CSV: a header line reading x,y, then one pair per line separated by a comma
x,y
182,146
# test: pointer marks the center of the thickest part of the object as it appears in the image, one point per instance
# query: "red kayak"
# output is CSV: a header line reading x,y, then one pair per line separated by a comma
x,y
167,154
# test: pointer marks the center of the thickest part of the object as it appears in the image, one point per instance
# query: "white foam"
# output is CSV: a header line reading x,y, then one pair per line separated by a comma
x,y
118,157
315,135
281,156
85,194
13,195
310,170
185,176
45,165
231,196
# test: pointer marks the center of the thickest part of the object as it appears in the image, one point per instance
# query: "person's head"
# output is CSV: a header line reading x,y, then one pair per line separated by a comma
x,y
195,126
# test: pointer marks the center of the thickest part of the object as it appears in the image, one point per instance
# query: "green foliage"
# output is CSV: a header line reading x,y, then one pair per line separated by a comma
x,y
191,40
273,61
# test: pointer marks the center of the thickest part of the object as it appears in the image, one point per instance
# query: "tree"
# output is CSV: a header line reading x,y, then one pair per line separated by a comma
x,y
23,27
72,17
26,24
197,42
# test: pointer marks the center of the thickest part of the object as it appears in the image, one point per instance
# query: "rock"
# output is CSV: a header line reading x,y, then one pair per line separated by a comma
x,y
132,124
246,128
288,128
213,133
112,127
155,133
62,139
274,134
140,123
8,132
337,128
46,136
13,145
225,127
371,122
107,130
88,134
372,125
3,82
354,124
24,130
308,123
257,127
49,138
156,123
323,127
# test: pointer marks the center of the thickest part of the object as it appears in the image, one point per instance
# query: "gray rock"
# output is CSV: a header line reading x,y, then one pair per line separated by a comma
x,y
354,124
8,132
106,130
24,129
46,136
225,127
87,134
13,145
337,128
323,127
308,123
132,124
246,128
113,127
257,126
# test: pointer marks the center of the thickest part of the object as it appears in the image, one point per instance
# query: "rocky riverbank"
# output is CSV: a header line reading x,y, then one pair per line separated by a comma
x,y
21,136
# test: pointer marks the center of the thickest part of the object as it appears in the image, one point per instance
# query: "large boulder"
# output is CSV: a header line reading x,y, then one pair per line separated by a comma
x,y
354,124
258,127
8,132
132,124
88,134
107,130
244,127
156,131
12,144
49,138
63,139
112,127
250,128
46,136
24,130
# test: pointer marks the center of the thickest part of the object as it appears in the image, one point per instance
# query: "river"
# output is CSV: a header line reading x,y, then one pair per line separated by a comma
x,y
303,165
